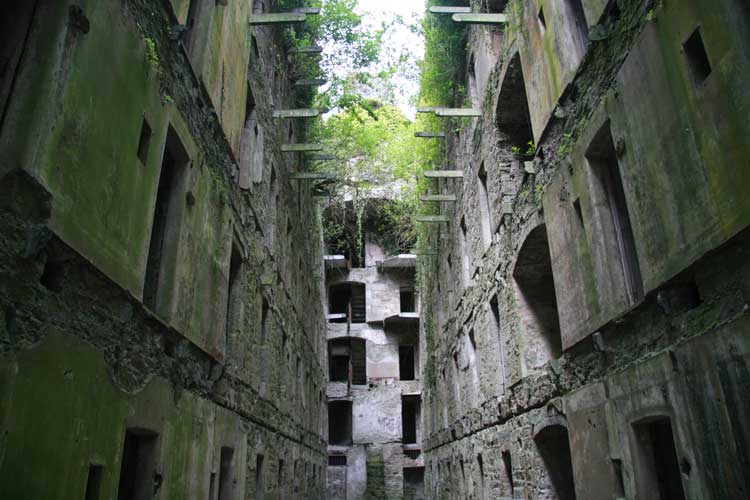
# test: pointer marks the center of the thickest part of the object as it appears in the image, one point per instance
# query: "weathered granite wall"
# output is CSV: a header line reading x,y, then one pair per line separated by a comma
x,y
224,370
589,302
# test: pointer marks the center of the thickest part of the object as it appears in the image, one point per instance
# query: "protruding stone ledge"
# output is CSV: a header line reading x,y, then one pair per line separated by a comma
x,y
480,18
439,198
444,174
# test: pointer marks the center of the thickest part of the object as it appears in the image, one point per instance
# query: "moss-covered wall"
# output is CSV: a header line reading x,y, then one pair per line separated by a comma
x,y
76,212
675,350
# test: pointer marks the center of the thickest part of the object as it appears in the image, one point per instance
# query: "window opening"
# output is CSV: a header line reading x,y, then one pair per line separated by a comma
x,y
542,21
165,226
249,143
347,299
409,419
508,466
94,482
480,463
340,423
264,321
484,207
697,58
407,300
464,253
657,463
575,34
512,115
413,483
602,159
53,275
144,141
337,460
406,362
554,448
495,312
235,263
535,291
138,465
225,473
259,488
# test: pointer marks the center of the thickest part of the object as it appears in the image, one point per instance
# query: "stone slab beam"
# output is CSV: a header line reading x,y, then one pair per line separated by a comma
x,y
479,18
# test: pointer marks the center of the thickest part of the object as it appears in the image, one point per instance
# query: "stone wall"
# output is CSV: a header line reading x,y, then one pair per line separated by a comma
x,y
217,365
589,300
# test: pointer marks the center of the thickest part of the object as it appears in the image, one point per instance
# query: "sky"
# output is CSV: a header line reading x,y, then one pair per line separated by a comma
x,y
398,40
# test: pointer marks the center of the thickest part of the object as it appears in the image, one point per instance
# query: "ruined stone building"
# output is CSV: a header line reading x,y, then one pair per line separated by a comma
x,y
374,388
586,316
162,329
574,323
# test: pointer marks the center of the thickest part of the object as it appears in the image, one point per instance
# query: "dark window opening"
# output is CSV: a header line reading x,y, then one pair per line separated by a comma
x,y
554,448
258,7
254,46
15,27
340,423
542,20
512,116
472,340
535,289
410,406
259,488
495,312
495,6
347,360
264,321
235,264
280,476
579,212
226,481
347,299
406,299
406,362
484,207
337,460
657,463
508,466
602,158
162,252
697,58
94,482
138,466
413,483
53,275
480,463
144,142
464,247
211,486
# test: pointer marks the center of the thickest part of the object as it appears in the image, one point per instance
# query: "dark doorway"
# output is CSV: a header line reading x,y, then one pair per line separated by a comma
x,y
137,471
226,471
407,300
657,463
554,448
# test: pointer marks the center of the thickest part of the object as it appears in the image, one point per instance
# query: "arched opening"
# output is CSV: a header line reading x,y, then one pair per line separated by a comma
x,y
537,303
512,117
554,448
346,303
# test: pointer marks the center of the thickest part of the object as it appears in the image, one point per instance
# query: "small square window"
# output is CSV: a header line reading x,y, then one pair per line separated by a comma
x,y
697,58
144,141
